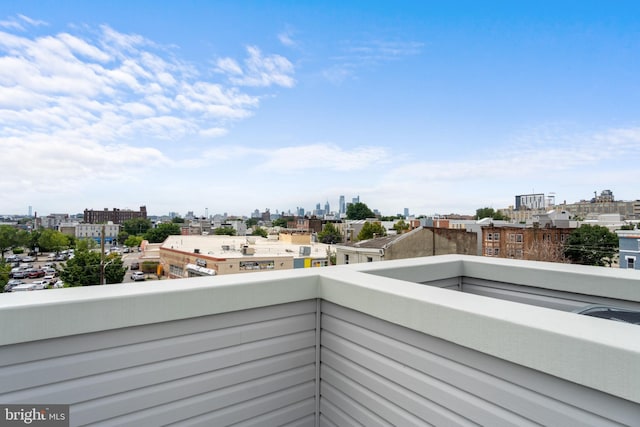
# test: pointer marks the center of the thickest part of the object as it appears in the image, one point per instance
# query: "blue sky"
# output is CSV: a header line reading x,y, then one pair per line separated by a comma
x,y
231,106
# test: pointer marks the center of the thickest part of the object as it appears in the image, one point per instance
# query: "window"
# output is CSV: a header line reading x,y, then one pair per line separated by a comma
x,y
489,236
519,253
512,237
496,237
496,251
631,262
488,252
369,259
518,238
346,259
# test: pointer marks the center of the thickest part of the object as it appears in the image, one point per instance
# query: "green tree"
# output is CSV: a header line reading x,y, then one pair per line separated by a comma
x,y
259,231
133,241
122,237
9,239
177,220
161,232
251,222
32,241
280,222
330,234
371,230
84,269
136,226
85,245
114,269
400,226
359,211
490,213
52,241
224,231
5,269
591,245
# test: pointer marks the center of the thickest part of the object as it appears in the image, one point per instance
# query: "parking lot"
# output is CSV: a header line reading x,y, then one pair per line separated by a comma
x,y
42,272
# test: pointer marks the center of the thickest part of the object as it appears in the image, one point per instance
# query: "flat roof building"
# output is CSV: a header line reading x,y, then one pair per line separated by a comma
x,y
187,256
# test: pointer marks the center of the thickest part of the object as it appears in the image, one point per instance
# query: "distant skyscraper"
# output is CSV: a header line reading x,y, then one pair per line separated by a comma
x,y
355,200
406,212
327,208
343,206
30,209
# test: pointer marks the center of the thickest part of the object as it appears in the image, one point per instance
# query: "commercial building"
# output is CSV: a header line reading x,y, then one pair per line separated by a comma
x,y
189,256
449,340
94,231
116,216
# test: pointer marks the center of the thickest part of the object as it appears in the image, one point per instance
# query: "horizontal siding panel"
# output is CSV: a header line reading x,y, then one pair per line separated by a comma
x,y
376,405
331,415
347,404
438,391
298,412
169,372
400,394
127,402
31,374
542,297
308,421
448,283
78,390
76,344
498,383
241,394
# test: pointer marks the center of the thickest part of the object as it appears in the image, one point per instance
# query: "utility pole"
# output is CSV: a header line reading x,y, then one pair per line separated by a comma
x,y
102,255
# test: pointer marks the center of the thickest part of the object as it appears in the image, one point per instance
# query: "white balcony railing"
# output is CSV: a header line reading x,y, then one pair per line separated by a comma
x,y
449,340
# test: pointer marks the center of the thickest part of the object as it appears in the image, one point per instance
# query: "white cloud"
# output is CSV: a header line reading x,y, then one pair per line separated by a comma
x,y
259,70
286,38
358,55
94,106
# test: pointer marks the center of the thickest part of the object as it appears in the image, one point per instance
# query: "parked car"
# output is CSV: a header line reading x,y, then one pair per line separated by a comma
x,y
34,274
125,250
24,287
40,284
137,276
12,284
58,284
49,278
28,259
20,274
134,266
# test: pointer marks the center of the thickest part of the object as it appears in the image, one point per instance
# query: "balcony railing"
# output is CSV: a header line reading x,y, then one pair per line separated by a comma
x,y
450,340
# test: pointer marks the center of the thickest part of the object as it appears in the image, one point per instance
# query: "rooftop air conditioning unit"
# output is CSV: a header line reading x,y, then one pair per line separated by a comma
x,y
305,250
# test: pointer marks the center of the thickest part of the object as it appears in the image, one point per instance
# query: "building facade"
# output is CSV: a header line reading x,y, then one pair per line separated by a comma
x,y
529,243
629,248
412,244
116,216
94,231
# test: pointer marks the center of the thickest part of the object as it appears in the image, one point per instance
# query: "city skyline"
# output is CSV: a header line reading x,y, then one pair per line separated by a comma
x,y
229,107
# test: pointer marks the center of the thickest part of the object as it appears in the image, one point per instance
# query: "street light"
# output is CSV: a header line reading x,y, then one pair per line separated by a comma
x,y
102,267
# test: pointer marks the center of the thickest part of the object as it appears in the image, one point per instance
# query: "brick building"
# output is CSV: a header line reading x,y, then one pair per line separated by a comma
x,y
530,243
116,216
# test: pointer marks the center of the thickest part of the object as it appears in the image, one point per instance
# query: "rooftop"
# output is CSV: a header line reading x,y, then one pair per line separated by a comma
x,y
230,246
446,340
